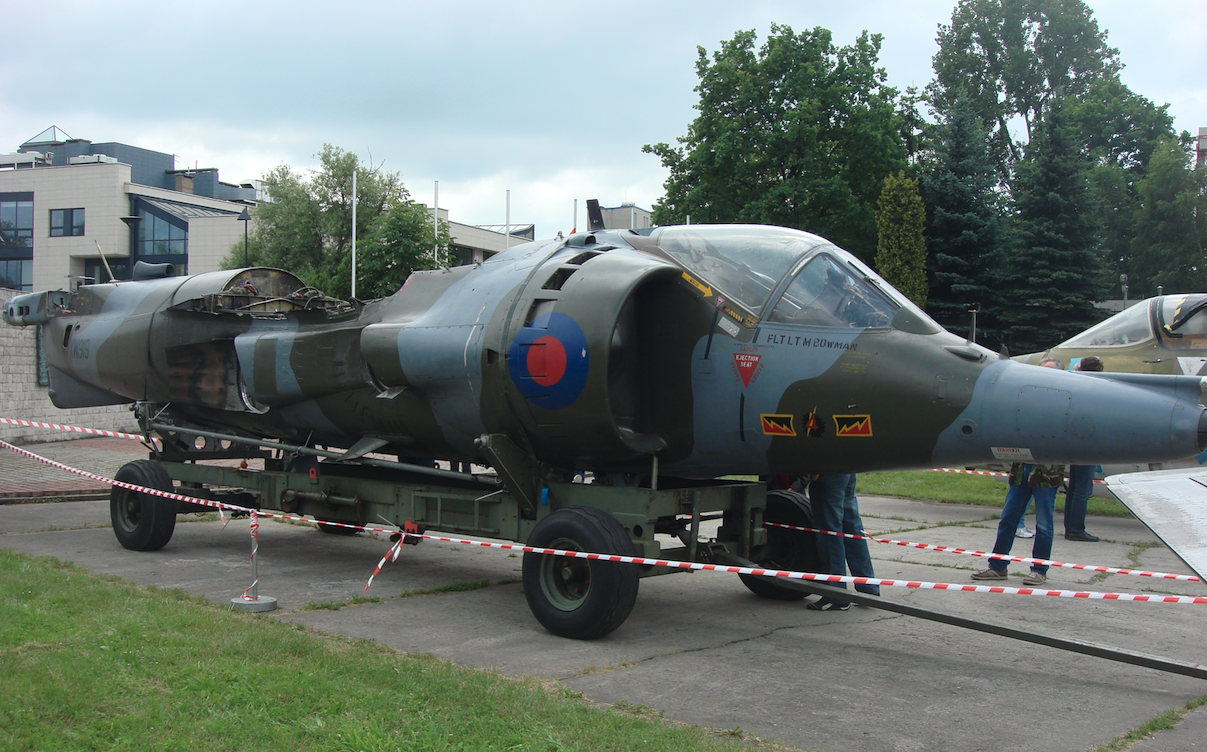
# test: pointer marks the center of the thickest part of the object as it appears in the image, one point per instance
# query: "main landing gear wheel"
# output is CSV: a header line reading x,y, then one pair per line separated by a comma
x,y
580,598
142,522
794,550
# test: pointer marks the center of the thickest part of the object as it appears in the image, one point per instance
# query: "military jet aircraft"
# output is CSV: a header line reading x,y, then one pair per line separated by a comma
x,y
656,359
722,349
1165,334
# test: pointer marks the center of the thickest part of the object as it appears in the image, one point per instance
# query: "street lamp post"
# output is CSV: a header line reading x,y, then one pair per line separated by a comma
x,y
244,217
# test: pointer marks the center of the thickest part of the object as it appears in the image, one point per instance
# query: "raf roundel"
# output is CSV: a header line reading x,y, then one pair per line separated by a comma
x,y
548,361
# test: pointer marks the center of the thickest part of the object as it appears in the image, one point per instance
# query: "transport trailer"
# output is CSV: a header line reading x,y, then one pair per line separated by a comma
x,y
571,597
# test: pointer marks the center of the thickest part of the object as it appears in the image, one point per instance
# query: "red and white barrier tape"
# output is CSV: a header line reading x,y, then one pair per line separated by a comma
x,y
990,473
695,566
74,429
255,546
392,555
968,472
1003,557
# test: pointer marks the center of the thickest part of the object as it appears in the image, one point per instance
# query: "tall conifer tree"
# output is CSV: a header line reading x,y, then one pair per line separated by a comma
x,y
964,222
901,248
1051,277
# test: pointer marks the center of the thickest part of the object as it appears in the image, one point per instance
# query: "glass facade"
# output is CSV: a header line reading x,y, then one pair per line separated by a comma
x,y
16,240
162,238
66,222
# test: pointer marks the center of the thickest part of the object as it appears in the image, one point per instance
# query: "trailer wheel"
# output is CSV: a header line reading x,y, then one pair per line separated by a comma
x,y
580,598
794,550
142,522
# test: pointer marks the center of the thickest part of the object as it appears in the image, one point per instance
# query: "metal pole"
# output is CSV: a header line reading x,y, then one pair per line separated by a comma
x,y
251,599
354,230
245,242
508,225
436,225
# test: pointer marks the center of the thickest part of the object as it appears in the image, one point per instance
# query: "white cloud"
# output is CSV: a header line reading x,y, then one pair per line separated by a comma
x,y
551,99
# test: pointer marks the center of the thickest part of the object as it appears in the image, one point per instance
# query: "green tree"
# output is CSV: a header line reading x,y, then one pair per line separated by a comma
x,y
1016,58
799,133
1168,248
964,223
901,249
1119,131
305,226
401,241
1051,277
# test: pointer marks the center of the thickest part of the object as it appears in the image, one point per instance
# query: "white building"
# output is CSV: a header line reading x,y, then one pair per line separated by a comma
x,y
64,202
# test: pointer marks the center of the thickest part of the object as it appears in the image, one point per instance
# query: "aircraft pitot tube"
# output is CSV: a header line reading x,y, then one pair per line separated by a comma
x,y
719,349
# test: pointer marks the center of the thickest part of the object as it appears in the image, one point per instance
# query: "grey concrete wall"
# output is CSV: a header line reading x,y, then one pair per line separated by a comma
x,y
21,397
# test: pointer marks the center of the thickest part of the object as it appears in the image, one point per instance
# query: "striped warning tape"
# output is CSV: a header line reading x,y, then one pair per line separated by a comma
x,y
74,429
990,473
968,472
1003,557
670,563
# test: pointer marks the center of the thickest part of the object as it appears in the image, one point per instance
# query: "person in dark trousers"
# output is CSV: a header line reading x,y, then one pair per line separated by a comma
x,y
1026,481
1081,481
835,507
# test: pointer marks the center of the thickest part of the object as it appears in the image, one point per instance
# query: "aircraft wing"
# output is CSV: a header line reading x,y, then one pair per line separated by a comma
x,y
1173,505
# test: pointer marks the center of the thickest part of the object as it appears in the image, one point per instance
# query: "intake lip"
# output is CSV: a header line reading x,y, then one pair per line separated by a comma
x,y
1203,431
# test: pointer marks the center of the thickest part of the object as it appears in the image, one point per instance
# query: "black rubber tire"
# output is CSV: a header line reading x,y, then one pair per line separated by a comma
x,y
582,599
794,550
142,522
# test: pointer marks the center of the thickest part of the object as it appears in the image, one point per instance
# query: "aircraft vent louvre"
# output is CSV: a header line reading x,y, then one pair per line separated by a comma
x,y
559,277
584,257
538,309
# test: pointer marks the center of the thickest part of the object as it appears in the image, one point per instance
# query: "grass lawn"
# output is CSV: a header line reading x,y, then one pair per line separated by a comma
x,y
95,663
954,488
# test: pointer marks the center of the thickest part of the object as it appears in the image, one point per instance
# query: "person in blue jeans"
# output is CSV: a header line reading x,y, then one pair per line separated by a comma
x,y
835,507
1081,485
1081,481
1026,482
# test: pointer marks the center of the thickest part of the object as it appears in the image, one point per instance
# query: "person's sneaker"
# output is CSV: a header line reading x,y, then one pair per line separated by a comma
x,y
1034,579
1083,537
1024,532
828,605
989,574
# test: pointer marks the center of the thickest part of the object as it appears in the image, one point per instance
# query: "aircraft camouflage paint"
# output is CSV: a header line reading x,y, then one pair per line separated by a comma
x,y
722,349
1165,334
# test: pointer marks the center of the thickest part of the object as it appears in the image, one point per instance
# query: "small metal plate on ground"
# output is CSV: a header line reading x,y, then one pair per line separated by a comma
x,y
263,603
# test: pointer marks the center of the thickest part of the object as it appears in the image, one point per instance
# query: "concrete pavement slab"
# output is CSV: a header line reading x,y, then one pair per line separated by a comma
x,y
702,649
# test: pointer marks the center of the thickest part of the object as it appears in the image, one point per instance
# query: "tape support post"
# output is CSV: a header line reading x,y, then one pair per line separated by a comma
x,y
669,563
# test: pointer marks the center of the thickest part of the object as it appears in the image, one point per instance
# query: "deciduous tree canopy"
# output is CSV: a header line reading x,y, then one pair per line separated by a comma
x,y
799,133
306,227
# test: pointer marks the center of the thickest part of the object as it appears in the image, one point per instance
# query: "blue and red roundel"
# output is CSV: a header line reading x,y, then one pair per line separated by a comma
x,y
548,361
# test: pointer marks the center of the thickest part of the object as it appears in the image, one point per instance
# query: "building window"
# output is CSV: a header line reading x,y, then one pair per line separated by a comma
x,y
65,222
95,272
17,274
16,240
159,236
16,221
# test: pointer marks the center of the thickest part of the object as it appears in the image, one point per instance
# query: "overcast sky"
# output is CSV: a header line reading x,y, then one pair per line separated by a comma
x,y
552,100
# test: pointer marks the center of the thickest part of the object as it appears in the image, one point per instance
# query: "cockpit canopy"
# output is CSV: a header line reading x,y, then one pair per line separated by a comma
x,y
1182,320
786,276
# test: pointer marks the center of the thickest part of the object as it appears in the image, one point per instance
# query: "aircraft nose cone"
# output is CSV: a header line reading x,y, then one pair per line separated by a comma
x,y
1032,414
